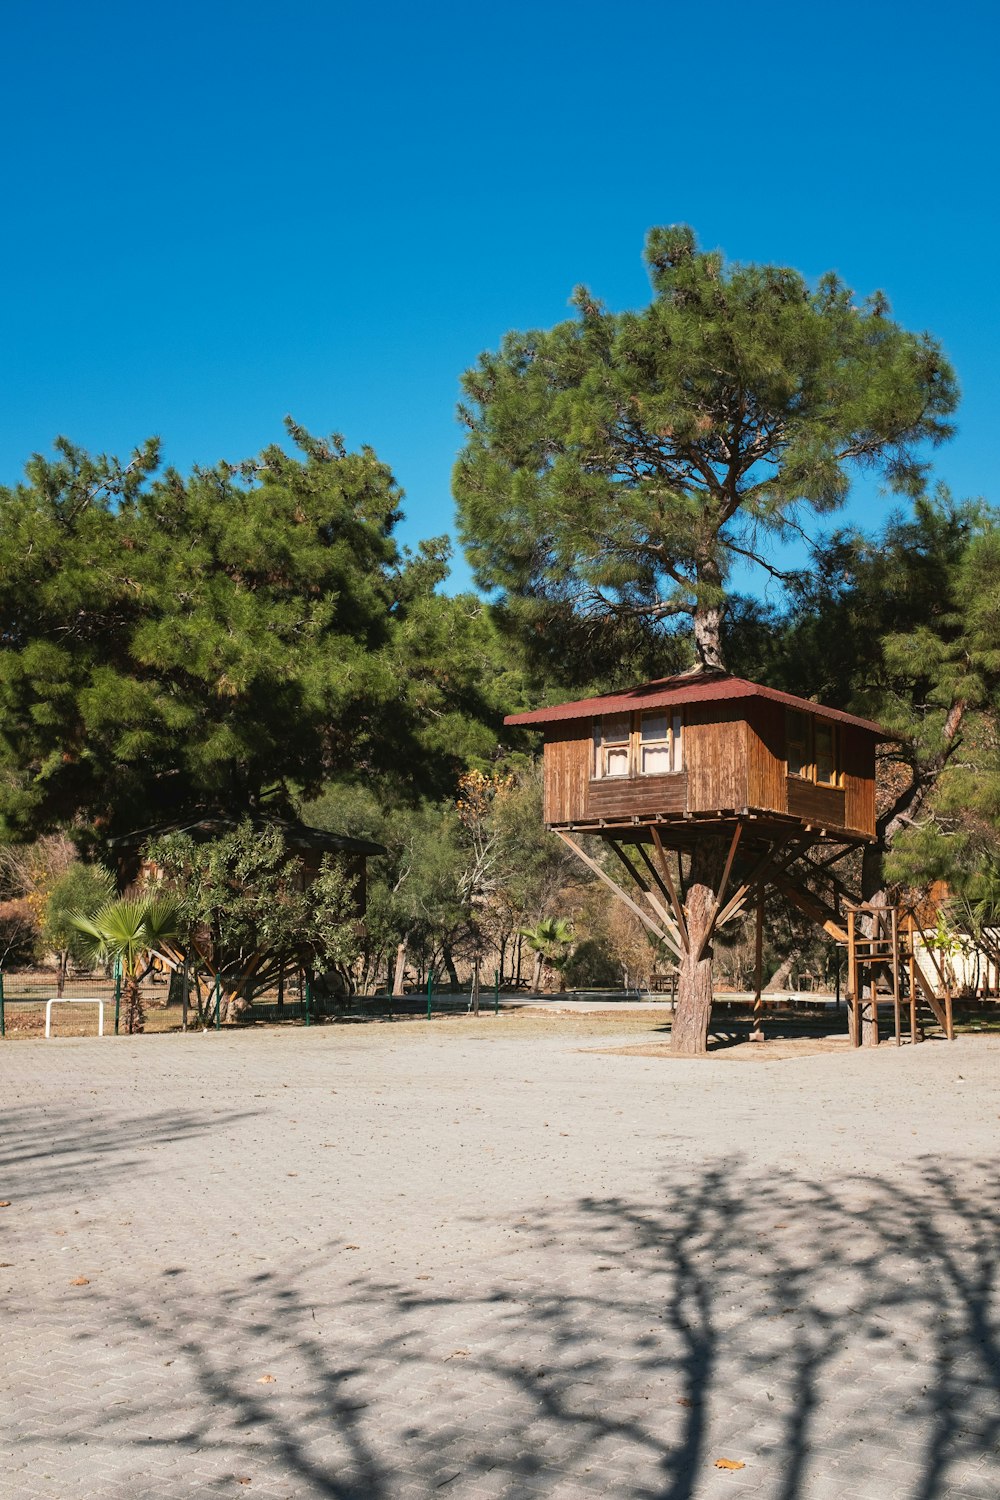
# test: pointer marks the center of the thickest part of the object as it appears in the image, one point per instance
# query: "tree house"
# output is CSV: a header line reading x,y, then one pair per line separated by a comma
x,y
709,788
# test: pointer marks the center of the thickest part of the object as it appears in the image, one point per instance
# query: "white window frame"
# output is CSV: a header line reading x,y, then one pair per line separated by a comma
x,y
672,741
634,744
603,745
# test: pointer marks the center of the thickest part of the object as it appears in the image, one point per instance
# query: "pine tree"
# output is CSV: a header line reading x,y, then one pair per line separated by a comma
x,y
226,640
618,464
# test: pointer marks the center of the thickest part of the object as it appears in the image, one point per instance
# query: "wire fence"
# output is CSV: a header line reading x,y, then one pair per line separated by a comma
x,y
72,1006
29,998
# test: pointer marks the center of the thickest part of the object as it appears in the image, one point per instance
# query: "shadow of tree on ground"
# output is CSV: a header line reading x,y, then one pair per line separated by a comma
x,y
55,1149
838,1339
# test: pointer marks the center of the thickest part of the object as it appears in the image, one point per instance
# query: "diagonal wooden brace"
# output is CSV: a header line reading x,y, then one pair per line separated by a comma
x,y
613,885
664,864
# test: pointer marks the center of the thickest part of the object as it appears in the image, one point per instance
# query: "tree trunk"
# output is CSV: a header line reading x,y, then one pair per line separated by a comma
x,y
782,974
400,969
693,1008
707,615
448,959
708,638
135,1017
536,973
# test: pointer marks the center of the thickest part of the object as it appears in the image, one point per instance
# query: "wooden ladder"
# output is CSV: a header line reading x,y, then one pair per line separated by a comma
x,y
889,953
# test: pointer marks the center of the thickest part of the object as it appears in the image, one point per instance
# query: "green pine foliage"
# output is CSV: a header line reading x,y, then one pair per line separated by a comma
x,y
903,627
616,465
225,640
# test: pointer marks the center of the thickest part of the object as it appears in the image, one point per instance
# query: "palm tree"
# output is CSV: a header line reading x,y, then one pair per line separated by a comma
x,y
131,930
550,940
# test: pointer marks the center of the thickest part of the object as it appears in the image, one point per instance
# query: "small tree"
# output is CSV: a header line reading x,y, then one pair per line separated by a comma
x,y
550,940
80,890
244,909
131,931
18,931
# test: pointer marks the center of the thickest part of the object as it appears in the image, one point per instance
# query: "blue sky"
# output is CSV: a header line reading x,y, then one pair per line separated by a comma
x,y
214,214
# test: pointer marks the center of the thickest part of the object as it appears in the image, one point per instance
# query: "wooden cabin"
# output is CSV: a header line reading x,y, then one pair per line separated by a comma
x,y
711,748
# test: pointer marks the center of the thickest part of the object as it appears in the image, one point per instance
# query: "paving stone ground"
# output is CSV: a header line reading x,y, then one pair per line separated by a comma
x,y
451,1259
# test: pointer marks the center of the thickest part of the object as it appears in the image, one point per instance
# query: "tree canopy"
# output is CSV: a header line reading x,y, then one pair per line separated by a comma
x,y
223,640
618,464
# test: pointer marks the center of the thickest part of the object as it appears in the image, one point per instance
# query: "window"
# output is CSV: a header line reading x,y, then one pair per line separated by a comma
x,y
654,745
797,745
825,759
812,748
648,746
611,746
659,744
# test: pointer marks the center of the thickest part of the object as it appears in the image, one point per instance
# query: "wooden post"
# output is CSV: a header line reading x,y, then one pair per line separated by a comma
x,y
894,928
757,1035
853,1006
913,981
877,940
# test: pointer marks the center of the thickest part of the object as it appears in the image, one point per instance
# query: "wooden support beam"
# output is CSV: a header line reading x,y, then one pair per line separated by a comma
x,y
659,909
832,859
664,864
757,1035
756,877
945,1017
853,1000
895,978
911,961
636,875
714,917
848,897
733,846
813,907
633,906
679,931
928,988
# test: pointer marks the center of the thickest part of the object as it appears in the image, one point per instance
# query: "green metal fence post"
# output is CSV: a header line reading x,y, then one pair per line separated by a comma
x,y
218,1001
3,1023
308,994
430,992
118,992
496,992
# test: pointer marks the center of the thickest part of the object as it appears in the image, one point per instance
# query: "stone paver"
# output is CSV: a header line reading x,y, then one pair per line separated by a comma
x,y
443,1260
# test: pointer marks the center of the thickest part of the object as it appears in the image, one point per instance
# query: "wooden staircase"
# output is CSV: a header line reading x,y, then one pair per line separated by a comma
x,y
883,961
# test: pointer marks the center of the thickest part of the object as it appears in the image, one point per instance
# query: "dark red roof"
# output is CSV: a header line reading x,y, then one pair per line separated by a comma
x,y
668,692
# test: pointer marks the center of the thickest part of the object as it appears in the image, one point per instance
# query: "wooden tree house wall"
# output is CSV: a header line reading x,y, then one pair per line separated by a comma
x,y
731,759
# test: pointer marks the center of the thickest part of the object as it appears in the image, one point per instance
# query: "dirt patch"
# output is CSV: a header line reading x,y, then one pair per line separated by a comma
x,y
780,1049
